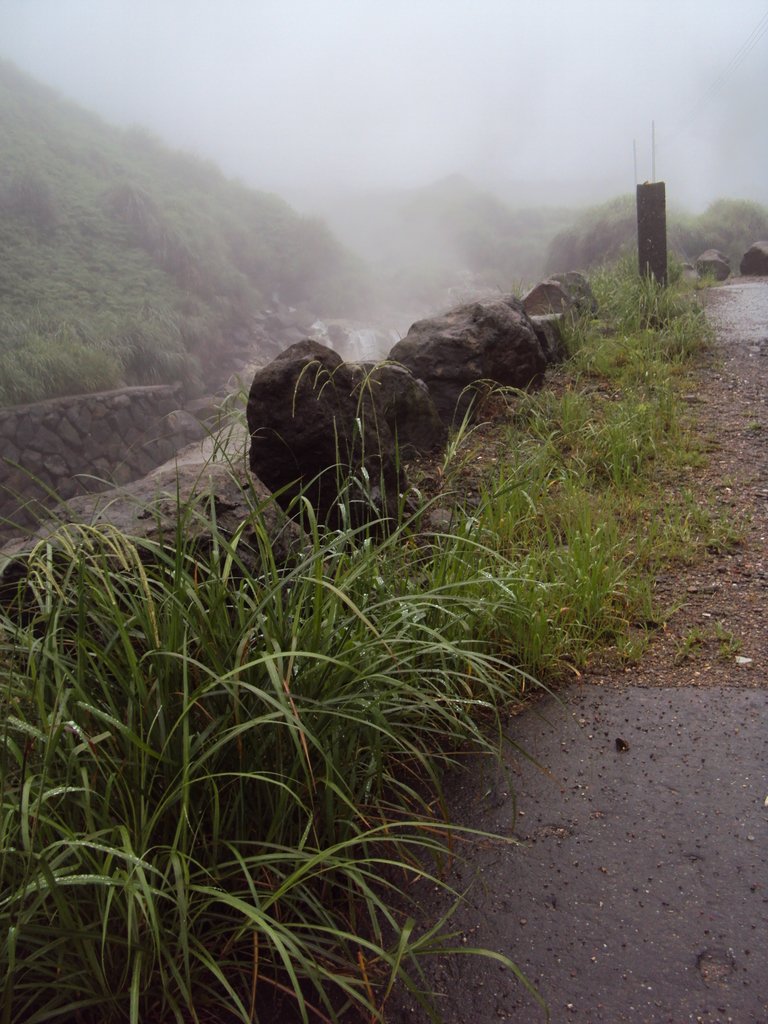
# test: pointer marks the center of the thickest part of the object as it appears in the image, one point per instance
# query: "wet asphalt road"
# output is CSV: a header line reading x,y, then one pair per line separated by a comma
x,y
639,888
739,311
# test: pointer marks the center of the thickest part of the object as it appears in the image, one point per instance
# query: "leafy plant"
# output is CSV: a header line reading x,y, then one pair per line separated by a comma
x,y
729,644
691,644
210,780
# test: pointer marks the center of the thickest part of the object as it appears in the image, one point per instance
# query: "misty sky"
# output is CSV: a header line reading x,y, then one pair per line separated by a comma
x,y
292,95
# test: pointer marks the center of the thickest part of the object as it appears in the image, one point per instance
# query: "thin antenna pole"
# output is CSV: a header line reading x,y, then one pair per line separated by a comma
x,y
634,157
653,151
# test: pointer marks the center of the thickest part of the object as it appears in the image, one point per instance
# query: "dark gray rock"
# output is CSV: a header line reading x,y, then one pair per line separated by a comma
x,y
404,404
67,487
713,263
313,429
159,448
27,428
548,297
101,468
119,419
133,437
182,427
755,260
55,466
8,424
67,433
549,332
122,474
80,417
42,440
459,353
10,453
579,289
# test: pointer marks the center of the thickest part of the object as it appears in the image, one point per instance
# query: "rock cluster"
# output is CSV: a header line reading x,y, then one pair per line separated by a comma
x,y
311,428
469,348
315,420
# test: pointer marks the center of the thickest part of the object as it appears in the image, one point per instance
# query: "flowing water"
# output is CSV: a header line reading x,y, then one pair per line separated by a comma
x,y
355,342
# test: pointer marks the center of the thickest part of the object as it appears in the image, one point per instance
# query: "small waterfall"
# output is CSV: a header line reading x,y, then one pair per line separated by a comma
x,y
355,342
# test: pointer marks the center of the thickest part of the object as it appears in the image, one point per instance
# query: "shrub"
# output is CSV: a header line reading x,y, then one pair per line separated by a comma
x,y
604,233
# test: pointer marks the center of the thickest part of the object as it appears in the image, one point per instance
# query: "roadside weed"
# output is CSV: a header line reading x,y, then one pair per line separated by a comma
x,y
729,644
690,644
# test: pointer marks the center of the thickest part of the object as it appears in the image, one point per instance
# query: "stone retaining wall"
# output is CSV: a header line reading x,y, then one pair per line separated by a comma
x,y
68,446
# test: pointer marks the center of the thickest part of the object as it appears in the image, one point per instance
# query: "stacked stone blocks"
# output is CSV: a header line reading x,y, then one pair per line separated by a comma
x,y
68,446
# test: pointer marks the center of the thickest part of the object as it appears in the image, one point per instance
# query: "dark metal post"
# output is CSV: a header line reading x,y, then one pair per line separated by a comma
x,y
652,230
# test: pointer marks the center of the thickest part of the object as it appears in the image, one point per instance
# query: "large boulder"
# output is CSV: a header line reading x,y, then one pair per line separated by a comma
x,y
579,289
547,297
713,263
755,260
313,430
470,345
404,404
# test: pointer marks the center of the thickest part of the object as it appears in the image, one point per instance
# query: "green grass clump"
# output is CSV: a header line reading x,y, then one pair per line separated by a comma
x,y
32,368
580,497
212,783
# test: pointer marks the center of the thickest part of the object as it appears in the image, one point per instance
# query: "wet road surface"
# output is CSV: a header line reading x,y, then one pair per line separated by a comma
x,y
639,888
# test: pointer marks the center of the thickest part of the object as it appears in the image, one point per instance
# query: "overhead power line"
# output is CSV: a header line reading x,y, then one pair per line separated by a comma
x,y
687,120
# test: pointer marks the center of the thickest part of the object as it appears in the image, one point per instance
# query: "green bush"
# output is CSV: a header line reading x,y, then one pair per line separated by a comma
x,y
730,225
208,778
602,234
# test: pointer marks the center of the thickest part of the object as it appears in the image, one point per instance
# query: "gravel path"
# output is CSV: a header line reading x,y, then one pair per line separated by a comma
x,y
636,887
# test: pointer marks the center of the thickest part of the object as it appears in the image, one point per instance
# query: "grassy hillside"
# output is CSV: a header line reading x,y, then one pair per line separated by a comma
x,y
125,262
602,233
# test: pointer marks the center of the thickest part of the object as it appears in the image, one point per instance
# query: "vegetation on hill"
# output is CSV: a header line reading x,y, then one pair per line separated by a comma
x,y
603,233
730,225
220,787
125,262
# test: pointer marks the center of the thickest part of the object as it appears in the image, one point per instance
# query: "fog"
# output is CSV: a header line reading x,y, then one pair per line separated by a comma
x,y
538,100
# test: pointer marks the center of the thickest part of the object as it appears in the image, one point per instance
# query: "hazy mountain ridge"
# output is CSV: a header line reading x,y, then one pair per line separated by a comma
x,y
423,244
126,262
